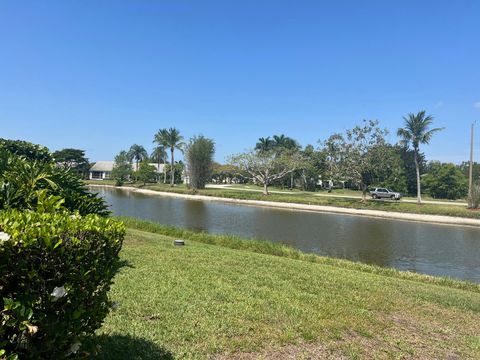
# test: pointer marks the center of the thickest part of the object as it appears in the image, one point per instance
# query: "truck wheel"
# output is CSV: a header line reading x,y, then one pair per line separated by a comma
x,y
374,196
392,197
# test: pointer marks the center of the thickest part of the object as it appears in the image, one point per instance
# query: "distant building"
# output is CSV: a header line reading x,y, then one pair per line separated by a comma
x,y
102,170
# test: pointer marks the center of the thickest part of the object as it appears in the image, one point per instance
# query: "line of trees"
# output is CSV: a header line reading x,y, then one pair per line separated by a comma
x,y
199,152
359,158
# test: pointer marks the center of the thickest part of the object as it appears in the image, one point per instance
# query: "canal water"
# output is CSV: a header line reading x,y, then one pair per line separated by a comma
x,y
442,250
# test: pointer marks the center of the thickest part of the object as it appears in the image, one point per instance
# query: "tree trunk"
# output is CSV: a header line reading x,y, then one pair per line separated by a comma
x,y
165,171
172,171
158,172
265,188
291,181
417,168
364,193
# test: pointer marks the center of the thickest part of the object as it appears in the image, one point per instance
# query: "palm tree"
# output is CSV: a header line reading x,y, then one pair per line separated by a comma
x,y
283,142
137,153
264,144
417,131
171,139
159,155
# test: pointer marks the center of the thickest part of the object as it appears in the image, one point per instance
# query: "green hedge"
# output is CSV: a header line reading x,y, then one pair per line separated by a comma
x,y
55,273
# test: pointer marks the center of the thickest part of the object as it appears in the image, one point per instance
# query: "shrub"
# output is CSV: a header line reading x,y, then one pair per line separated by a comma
x,y
22,179
25,149
199,155
55,272
445,181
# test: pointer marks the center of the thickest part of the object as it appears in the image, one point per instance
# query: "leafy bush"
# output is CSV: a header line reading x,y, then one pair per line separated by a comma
x,y
445,181
199,155
21,181
25,149
55,272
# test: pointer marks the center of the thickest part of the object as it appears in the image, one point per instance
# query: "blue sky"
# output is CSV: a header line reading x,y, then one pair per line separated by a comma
x,y
102,75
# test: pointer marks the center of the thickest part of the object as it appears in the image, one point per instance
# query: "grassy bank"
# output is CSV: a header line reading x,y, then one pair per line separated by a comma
x,y
311,199
209,301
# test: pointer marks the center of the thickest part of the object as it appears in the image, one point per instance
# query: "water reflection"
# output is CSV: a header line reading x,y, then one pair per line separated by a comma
x,y
425,248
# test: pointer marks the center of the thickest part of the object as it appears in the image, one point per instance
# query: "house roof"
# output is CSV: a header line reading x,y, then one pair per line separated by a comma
x,y
108,166
103,166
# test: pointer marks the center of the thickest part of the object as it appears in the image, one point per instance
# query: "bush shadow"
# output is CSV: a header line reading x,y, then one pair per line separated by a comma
x,y
121,347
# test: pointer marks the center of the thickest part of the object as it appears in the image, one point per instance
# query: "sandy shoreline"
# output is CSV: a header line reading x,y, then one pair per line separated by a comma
x,y
436,219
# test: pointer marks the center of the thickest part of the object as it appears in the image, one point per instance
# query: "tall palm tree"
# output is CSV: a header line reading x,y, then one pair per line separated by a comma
x,y
417,131
137,153
264,144
159,155
170,138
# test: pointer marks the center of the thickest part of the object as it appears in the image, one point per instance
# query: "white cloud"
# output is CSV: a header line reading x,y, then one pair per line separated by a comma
x,y
439,104
477,105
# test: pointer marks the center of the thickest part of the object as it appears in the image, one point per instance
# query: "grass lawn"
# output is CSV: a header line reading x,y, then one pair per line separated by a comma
x,y
310,198
210,301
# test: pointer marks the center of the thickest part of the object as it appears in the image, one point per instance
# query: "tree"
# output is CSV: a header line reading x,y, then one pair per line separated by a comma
x,y
199,156
417,131
465,168
137,153
145,172
356,152
445,181
313,166
170,138
282,142
73,159
178,171
159,155
122,170
390,173
227,173
408,159
332,150
264,144
266,166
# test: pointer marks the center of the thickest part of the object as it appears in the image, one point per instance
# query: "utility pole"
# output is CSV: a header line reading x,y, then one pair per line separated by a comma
x,y
470,174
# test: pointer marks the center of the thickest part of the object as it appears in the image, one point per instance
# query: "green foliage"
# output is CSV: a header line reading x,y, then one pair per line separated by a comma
x,y
178,168
122,169
445,181
417,131
266,167
55,272
408,159
227,174
25,149
199,157
23,180
170,139
137,153
73,159
146,173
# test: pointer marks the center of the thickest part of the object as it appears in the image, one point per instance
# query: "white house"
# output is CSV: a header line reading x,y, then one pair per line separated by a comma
x,y
102,170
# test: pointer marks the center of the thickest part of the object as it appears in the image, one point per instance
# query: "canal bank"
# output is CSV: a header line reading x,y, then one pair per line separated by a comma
x,y
423,247
435,219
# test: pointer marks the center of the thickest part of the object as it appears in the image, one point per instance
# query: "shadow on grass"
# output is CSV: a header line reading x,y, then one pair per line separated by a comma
x,y
121,347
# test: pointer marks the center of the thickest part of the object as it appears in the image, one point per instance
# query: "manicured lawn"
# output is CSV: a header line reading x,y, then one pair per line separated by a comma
x,y
203,301
310,198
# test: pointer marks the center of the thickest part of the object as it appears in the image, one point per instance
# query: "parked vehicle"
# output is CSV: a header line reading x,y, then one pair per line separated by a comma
x,y
384,193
